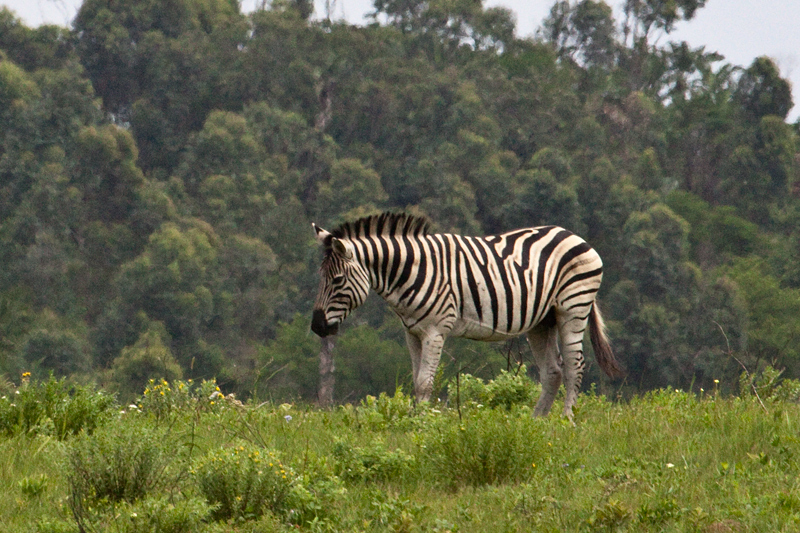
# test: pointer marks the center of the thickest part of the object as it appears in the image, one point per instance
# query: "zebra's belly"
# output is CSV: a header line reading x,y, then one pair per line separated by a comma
x,y
480,332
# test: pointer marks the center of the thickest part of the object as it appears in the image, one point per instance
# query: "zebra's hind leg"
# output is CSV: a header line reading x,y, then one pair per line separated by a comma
x,y
544,346
570,329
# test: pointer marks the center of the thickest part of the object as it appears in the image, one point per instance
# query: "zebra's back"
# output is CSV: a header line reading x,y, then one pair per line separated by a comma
x,y
503,285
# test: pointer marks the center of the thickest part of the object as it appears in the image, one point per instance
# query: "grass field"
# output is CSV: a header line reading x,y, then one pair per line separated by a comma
x,y
186,458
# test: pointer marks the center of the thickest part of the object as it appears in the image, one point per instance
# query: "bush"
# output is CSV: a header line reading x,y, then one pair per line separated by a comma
x,y
392,513
375,463
385,411
33,487
163,399
486,448
509,389
122,463
162,515
149,515
468,389
53,407
769,385
244,482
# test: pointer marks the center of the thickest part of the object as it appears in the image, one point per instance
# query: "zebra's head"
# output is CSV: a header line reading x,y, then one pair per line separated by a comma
x,y
344,284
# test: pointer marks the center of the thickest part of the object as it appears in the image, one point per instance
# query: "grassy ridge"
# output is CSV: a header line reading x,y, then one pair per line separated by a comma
x,y
186,458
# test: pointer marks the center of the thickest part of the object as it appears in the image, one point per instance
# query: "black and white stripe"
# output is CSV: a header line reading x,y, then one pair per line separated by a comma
x,y
538,281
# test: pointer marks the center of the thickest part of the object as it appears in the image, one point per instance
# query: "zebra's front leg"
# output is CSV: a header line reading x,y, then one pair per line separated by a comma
x,y
427,361
415,349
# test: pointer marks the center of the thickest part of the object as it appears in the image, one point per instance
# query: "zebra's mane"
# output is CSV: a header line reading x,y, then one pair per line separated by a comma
x,y
386,224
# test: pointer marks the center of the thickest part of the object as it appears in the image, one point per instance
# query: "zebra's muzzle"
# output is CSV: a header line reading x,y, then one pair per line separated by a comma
x,y
320,326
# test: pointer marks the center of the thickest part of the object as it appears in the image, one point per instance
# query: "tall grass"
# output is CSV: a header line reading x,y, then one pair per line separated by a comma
x,y
665,461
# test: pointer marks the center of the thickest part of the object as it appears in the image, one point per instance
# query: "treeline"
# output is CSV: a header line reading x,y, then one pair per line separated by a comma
x,y
161,162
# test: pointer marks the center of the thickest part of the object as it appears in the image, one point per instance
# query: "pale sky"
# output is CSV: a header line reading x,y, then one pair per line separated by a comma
x,y
740,30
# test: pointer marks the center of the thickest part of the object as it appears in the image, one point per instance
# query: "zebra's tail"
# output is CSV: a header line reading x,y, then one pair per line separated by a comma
x,y
602,348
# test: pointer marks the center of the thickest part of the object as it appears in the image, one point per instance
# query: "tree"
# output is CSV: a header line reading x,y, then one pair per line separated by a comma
x,y
644,21
169,283
642,17
352,188
442,27
16,319
657,243
772,313
113,40
584,32
543,199
250,286
761,91
45,47
55,345
162,164
107,173
326,372
149,358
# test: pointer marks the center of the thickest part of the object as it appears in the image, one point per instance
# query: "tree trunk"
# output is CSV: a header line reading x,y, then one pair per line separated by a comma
x,y
326,368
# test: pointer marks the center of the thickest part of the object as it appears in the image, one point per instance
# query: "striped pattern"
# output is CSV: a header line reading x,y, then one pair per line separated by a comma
x,y
538,281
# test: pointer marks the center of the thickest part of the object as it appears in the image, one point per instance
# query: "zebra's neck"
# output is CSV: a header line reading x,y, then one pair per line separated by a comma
x,y
390,262
371,253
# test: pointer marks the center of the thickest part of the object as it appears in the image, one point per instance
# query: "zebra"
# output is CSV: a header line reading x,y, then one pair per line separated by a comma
x,y
539,281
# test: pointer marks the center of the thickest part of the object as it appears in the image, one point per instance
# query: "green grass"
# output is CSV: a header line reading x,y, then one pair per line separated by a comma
x,y
191,460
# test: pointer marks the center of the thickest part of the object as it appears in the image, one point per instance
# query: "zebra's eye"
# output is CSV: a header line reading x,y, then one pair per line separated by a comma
x,y
337,279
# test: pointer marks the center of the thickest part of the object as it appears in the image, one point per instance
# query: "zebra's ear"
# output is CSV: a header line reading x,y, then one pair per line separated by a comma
x,y
341,248
320,233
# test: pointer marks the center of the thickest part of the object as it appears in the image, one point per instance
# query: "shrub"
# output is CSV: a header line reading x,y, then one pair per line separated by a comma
x,y
509,389
386,411
312,502
609,517
468,389
487,447
122,463
393,513
769,385
658,513
48,525
243,482
788,391
33,487
151,514
375,463
53,407
162,515
163,399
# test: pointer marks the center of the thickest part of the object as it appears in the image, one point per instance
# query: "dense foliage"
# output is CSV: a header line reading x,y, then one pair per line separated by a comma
x,y
160,164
